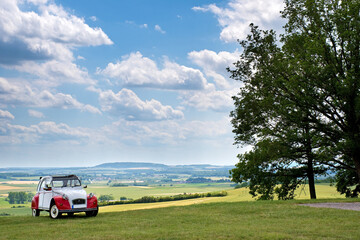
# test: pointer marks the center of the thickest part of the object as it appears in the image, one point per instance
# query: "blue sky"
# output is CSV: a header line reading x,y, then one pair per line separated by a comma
x,y
86,82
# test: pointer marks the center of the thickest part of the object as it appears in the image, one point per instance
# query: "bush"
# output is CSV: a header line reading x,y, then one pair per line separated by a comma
x,y
104,198
241,185
141,184
198,180
119,185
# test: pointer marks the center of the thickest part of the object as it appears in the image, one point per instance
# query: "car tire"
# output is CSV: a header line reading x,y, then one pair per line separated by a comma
x,y
54,211
89,213
35,212
95,212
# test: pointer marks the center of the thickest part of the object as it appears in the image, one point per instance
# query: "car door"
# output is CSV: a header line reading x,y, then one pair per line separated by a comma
x,y
45,195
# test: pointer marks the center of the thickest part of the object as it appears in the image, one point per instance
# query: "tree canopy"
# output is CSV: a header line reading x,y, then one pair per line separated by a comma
x,y
300,101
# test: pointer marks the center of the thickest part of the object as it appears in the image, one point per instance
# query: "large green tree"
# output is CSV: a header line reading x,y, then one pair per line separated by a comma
x,y
300,103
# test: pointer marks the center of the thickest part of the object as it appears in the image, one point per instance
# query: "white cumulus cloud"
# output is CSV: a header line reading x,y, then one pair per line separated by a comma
x,y
53,73
6,114
214,64
158,28
37,114
48,33
216,100
21,93
137,70
127,104
236,17
44,132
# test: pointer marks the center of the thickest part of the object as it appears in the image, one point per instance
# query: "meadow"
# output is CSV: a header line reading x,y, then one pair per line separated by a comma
x,y
324,191
216,220
235,216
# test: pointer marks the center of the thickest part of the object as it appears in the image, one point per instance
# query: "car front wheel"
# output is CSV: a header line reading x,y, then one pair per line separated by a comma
x,y
54,211
92,213
95,212
36,212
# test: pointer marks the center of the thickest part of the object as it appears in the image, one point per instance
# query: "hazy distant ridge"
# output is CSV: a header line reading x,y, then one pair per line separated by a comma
x,y
125,165
131,165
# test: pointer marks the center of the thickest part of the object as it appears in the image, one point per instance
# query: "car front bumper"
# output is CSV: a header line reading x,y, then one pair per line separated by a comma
x,y
75,210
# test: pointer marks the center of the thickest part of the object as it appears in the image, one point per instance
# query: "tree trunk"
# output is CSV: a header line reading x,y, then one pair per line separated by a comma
x,y
311,177
310,160
356,159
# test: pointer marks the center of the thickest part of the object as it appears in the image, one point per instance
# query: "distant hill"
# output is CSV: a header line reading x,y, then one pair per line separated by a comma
x,y
131,165
143,165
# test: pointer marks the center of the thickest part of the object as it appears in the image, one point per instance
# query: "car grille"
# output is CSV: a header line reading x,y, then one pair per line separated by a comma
x,y
78,201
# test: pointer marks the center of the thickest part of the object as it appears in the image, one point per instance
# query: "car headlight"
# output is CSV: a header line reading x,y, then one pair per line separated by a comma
x,y
65,197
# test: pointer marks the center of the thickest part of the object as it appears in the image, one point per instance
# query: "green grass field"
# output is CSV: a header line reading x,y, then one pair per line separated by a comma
x,y
219,220
235,216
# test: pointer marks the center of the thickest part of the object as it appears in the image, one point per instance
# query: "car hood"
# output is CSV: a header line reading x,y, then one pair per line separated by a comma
x,y
72,193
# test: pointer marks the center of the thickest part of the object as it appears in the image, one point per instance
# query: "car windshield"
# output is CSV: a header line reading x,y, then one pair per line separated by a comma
x,y
60,182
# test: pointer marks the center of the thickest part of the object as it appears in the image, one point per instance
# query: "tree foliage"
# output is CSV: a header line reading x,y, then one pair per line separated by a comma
x,y
19,197
300,103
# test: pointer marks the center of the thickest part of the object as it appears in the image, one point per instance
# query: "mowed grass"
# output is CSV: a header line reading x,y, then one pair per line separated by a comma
x,y
221,220
235,216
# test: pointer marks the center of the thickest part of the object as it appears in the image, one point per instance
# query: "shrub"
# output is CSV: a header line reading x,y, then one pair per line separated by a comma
x,y
119,185
105,197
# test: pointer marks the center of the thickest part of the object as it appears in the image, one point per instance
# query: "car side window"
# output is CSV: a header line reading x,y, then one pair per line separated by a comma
x,y
45,182
40,185
77,183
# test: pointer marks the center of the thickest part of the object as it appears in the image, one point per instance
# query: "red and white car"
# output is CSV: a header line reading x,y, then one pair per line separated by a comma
x,y
63,194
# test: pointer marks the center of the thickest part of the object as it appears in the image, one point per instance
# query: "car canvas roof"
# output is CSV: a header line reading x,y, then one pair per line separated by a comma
x,y
64,176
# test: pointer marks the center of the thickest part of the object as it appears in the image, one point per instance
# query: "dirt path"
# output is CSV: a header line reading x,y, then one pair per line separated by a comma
x,y
355,206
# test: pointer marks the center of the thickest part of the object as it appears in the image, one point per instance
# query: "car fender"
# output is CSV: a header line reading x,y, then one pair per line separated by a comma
x,y
61,203
92,202
35,201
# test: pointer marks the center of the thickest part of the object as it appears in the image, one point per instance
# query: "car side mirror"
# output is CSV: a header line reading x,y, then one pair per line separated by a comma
x,y
85,186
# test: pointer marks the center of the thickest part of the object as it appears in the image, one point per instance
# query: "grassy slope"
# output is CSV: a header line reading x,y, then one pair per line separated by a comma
x,y
234,195
138,192
323,191
235,216
231,220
